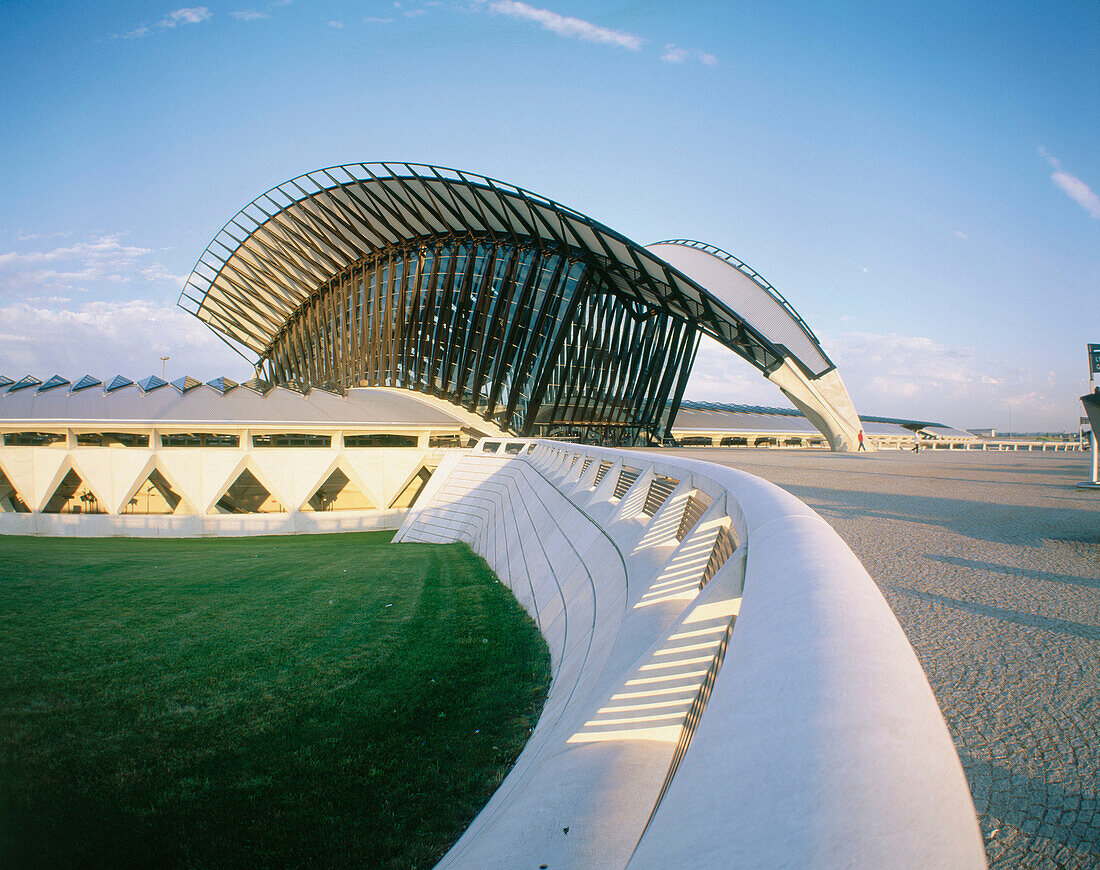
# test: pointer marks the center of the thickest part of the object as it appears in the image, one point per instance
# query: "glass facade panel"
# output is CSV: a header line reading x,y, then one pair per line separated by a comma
x,y
530,337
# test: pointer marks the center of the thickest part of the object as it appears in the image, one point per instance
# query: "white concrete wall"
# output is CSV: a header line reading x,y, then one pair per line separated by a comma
x,y
154,526
201,476
776,717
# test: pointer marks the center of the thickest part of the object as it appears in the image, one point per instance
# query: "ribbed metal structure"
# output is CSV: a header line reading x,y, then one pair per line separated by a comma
x,y
534,340
515,307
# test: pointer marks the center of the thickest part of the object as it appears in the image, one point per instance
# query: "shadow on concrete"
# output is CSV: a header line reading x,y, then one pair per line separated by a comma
x,y
997,523
1005,795
1010,571
1027,620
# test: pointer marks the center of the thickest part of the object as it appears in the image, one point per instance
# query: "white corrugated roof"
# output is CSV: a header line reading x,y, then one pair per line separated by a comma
x,y
948,432
205,405
705,420
745,292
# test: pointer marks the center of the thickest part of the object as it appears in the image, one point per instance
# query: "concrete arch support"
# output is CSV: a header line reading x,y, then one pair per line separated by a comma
x,y
825,402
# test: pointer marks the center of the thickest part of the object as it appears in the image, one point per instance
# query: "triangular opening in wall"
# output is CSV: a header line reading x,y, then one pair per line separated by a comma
x,y
411,491
10,500
73,496
155,496
338,493
246,495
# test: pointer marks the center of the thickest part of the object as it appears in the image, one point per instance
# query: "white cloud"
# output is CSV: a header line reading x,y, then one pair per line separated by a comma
x,y
99,258
186,15
336,24
563,25
102,258
921,378
248,15
678,54
1072,186
158,272
23,236
720,376
913,377
376,20
959,234
674,54
1078,191
105,338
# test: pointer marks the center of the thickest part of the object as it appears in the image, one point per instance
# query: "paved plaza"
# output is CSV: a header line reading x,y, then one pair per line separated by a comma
x,y
991,562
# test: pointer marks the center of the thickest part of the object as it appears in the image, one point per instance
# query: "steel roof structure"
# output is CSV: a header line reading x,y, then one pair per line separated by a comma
x,y
275,253
509,304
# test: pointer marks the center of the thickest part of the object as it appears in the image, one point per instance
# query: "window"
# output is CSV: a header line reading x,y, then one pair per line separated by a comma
x,y
199,439
72,496
408,496
155,496
292,440
248,496
32,439
380,440
338,493
112,439
10,501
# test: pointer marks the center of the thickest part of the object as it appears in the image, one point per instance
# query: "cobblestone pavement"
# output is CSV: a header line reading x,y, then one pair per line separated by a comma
x,y
991,562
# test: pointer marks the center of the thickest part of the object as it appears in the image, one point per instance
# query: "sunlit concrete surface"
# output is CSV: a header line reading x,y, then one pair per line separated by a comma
x,y
992,564
729,686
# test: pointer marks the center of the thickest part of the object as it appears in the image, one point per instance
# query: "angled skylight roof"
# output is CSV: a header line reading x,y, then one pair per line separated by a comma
x,y
223,384
292,385
186,384
84,383
258,385
5,380
23,383
55,381
151,383
118,383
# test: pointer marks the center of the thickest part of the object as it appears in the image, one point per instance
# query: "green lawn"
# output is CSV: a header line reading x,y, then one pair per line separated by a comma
x,y
323,701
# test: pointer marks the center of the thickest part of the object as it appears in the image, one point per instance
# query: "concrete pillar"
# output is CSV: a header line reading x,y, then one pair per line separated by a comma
x,y
826,404
1095,466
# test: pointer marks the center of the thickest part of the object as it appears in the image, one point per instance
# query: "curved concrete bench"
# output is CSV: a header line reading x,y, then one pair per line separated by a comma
x,y
729,689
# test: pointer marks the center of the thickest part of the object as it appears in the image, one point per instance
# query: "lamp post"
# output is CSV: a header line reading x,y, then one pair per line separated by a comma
x,y
164,367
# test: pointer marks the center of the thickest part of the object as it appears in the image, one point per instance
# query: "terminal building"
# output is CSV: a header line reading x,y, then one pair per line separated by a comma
x,y
389,311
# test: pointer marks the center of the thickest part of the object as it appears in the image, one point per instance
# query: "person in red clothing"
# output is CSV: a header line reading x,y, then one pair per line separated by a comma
x,y
861,446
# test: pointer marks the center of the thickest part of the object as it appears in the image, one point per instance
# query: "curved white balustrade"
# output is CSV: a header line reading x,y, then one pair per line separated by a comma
x,y
730,688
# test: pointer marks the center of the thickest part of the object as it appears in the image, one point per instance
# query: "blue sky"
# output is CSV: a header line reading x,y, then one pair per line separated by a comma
x,y
919,179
